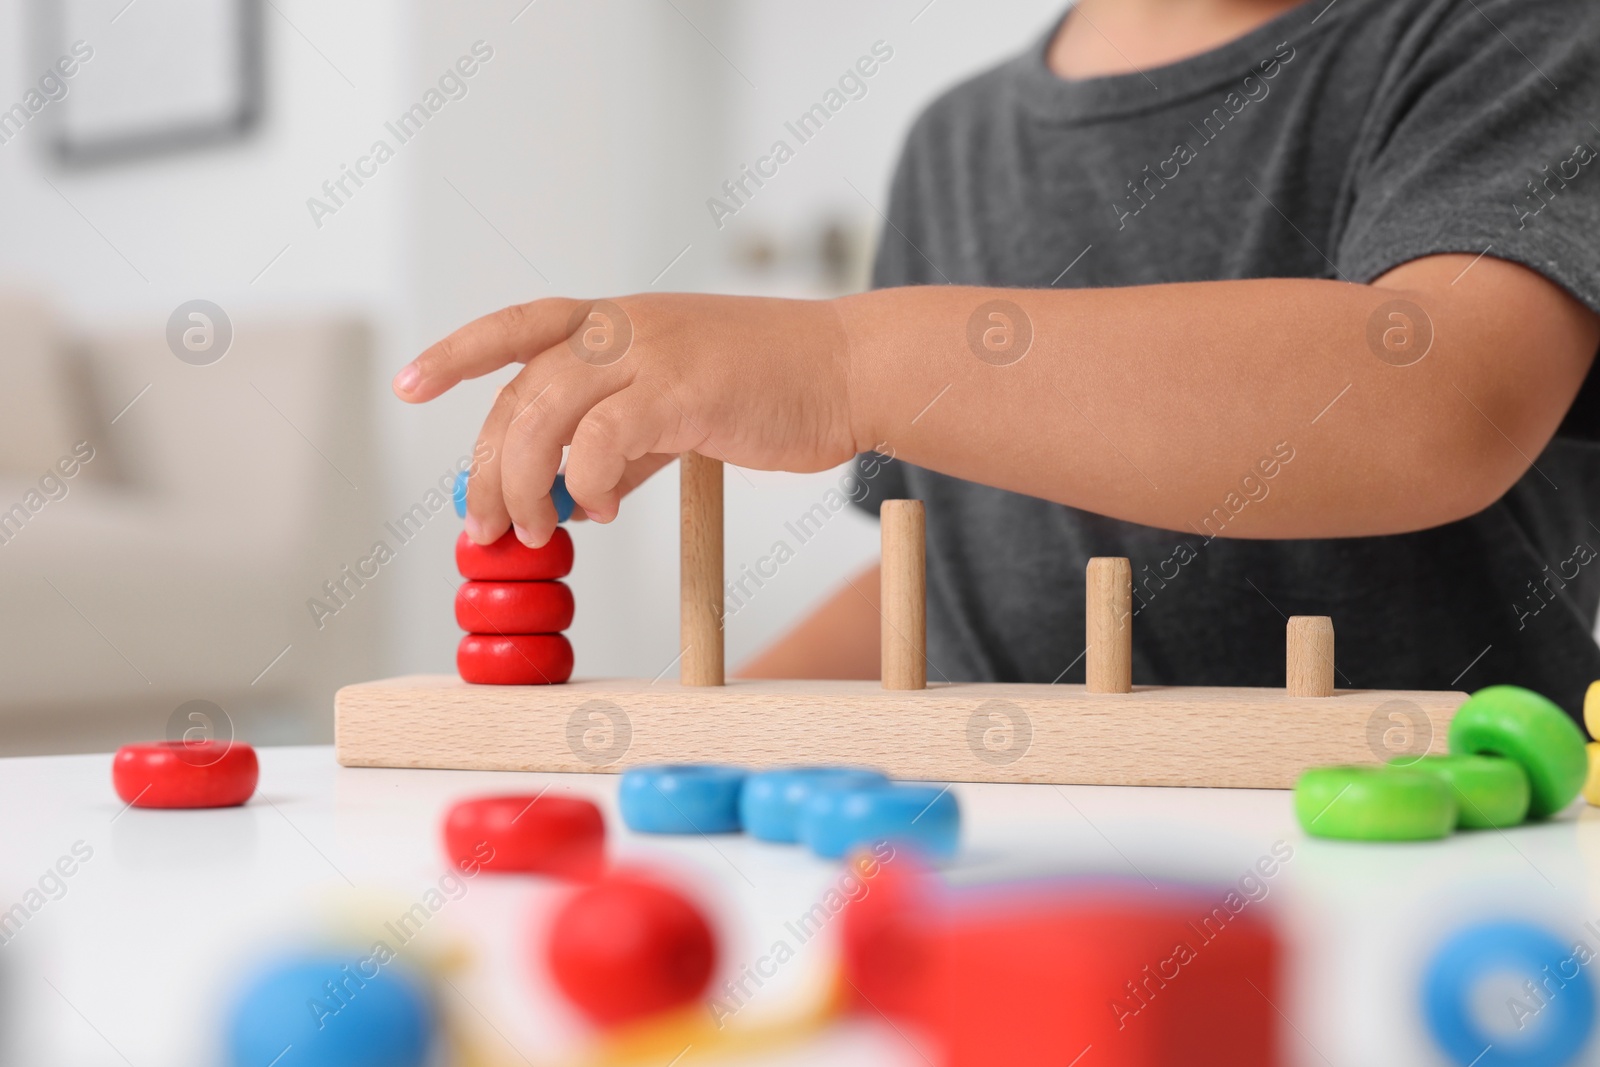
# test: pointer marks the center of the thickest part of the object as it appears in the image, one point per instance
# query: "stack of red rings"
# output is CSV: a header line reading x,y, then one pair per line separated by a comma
x,y
514,609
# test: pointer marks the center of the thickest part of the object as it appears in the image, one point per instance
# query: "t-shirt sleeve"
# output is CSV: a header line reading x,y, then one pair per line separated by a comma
x,y
1482,138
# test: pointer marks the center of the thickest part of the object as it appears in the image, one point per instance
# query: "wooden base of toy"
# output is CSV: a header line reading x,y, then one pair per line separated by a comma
x,y
1154,735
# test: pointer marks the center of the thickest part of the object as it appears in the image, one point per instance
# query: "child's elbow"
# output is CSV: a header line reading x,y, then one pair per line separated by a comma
x,y
1473,470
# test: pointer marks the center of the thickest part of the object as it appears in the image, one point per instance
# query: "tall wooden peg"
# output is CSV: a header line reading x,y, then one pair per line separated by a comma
x,y
1310,656
1108,602
904,595
700,570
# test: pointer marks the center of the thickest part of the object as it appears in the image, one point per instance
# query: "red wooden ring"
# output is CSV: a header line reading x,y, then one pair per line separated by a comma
x,y
513,607
509,560
531,834
514,659
183,774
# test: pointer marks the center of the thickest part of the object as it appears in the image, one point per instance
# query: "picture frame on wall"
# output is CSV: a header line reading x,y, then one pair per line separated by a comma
x,y
150,77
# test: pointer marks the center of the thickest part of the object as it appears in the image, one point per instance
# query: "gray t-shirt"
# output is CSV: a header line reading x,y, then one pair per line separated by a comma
x,y
1337,141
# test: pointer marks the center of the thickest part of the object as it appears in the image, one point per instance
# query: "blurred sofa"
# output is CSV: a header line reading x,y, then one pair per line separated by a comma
x,y
163,524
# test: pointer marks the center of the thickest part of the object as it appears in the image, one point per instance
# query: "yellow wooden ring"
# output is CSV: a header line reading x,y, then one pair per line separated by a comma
x,y
1591,787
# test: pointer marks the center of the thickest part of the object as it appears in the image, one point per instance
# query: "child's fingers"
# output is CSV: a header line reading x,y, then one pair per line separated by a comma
x,y
487,517
534,438
622,440
636,473
511,335
639,471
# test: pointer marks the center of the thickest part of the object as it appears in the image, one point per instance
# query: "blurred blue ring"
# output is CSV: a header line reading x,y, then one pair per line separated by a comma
x,y
687,798
1559,1027
834,822
770,803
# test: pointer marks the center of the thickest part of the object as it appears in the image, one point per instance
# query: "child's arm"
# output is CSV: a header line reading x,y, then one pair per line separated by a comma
x,y
839,638
1146,404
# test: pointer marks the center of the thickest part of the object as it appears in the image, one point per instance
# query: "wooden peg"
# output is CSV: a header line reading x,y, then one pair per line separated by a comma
x,y
1309,668
1108,599
700,570
904,595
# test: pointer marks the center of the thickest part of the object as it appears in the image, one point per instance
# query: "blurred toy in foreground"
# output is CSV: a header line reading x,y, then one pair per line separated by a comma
x,y
1041,973
1548,1015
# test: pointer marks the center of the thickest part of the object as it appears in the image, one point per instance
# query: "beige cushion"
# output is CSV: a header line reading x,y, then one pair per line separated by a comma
x,y
36,411
187,576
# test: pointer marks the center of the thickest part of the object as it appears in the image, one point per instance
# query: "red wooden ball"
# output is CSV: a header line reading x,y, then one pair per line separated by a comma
x,y
183,774
514,659
513,607
509,560
529,834
627,947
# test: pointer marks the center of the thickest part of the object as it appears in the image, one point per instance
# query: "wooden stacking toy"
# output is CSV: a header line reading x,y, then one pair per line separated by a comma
x,y
1106,732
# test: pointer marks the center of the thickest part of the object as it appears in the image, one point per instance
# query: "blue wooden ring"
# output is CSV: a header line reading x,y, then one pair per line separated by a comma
x,y
353,1010
558,496
834,822
1558,1023
561,498
685,798
769,805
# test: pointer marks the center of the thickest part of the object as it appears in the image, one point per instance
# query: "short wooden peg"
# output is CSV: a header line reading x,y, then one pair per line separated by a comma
x,y
1109,616
700,570
1310,656
904,594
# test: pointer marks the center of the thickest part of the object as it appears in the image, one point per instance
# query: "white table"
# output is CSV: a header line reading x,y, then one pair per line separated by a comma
x,y
135,960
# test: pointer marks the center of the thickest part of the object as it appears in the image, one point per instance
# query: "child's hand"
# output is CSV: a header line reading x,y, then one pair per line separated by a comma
x,y
633,382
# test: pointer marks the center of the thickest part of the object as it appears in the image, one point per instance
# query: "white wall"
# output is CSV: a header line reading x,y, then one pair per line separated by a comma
x,y
794,53
206,223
